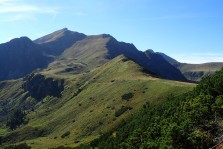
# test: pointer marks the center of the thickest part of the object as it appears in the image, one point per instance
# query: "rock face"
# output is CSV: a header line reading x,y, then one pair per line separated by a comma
x,y
39,87
19,57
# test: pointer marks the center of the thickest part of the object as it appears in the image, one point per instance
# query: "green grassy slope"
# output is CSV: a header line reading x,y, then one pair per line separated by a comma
x,y
91,104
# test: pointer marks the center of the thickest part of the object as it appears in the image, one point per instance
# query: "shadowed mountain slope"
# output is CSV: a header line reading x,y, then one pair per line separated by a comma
x,y
167,58
19,57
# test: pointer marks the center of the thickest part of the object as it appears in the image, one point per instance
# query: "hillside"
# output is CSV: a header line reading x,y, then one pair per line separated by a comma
x,y
20,57
89,105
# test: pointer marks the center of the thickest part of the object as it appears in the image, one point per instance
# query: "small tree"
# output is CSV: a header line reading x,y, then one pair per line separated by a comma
x,y
16,119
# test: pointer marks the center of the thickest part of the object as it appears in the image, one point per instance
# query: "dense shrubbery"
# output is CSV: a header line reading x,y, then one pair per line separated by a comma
x,y
187,121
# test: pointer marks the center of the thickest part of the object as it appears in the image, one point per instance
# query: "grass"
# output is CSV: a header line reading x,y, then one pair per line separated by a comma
x,y
89,102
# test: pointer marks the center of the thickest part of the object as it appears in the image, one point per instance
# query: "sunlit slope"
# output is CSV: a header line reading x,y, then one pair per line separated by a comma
x,y
93,103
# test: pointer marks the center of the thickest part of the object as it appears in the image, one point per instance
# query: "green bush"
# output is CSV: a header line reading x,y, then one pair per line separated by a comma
x,y
127,96
67,133
121,111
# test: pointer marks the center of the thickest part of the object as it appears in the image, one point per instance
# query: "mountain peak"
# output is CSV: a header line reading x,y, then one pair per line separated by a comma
x,y
106,35
55,43
57,35
20,41
65,29
148,51
23,38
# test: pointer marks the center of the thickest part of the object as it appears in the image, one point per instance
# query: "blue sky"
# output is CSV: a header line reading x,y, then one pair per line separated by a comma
x,y
187,30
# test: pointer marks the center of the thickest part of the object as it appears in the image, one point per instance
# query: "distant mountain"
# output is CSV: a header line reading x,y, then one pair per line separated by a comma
x,y
58,41
19,57
194,72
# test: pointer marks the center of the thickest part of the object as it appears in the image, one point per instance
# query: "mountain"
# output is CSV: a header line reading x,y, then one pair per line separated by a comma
x,y
93,51
89,104
20,57
58,41
194,72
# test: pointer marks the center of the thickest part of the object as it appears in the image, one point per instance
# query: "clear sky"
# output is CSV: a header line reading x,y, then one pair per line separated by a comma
x,y
187,30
